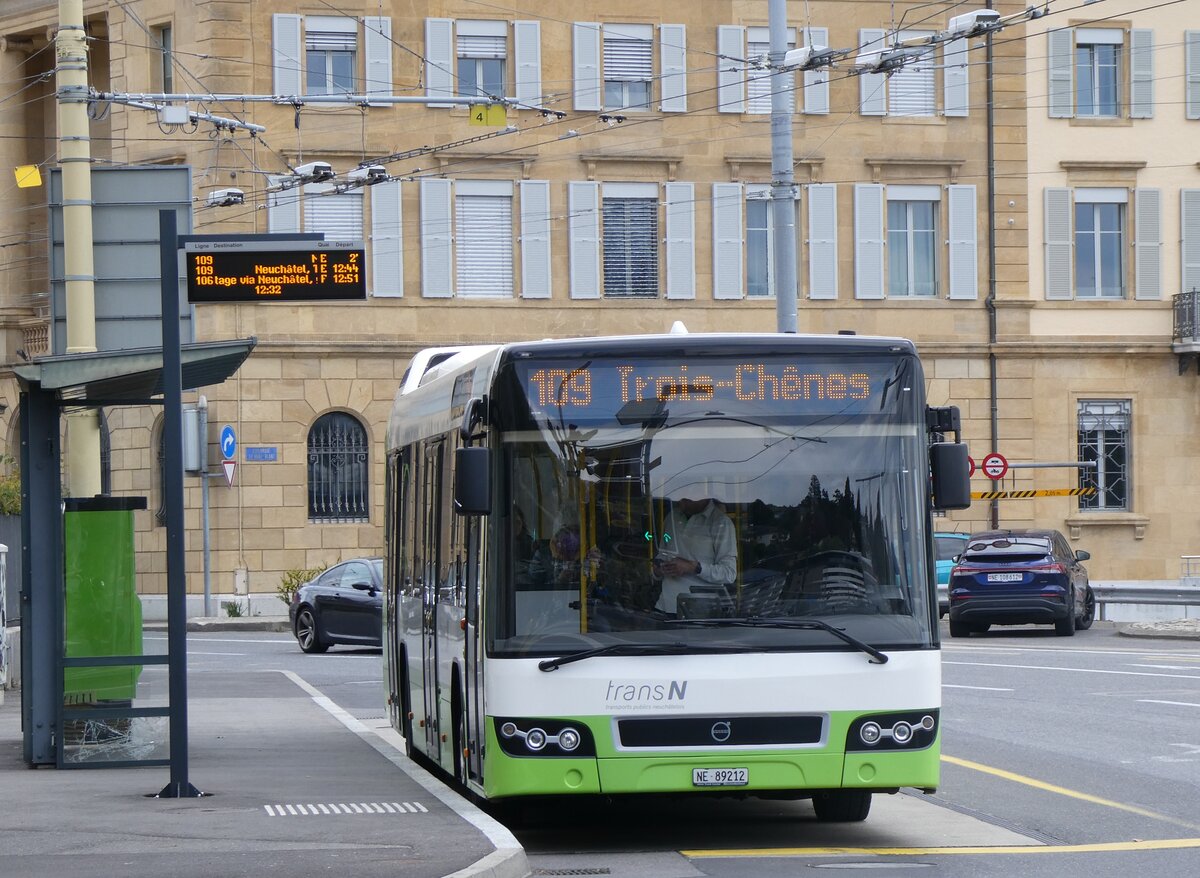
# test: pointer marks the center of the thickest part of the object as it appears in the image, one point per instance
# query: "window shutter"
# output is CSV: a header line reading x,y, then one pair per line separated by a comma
x,y
439,59
377,47
338,215
387,241
1147,245
1189,204
286,36
535,239
868,241
760,84
672,40
1061,87
483,233
731,78
436,261
283,209
626,56
956,80
583,207
816,82
822,241
911,88
1060,245
872,87
1191,42
964,249
681,240
587,66
728,247
1141,74
527,50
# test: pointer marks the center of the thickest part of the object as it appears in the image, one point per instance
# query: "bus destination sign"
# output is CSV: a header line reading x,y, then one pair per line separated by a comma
x,y
274,271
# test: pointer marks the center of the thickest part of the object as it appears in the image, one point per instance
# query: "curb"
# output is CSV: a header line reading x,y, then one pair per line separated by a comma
x,y
253,623
1187,629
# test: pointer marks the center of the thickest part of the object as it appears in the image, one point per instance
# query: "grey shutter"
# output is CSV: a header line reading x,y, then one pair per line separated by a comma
x,y
583,207
868,241
439,59
377,47
912,88
483,233
681,240
1141,74
816,82
963,244
338,215
1061,70
387,240
1147,245
535,239
437,264
586,41
1060,244
527,54
1189,206
672,43
956,80
731,78
822,241
286,37
283,209
728,247
1191,42
872,87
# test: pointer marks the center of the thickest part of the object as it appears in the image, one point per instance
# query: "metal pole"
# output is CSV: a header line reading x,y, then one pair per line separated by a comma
x,y
993,368
203,408
75,159
172,383
783,184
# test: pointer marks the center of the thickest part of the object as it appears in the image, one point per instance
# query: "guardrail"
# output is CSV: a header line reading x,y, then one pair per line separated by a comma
x,y
1186,593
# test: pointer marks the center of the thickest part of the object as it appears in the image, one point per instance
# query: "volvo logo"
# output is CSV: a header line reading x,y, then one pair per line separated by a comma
x,y
721,731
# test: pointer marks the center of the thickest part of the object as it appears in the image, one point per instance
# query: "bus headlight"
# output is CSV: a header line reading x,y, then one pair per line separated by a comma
x,y
927,723
543,737
870,733
902,732
535,739
568,739
899,730
508,729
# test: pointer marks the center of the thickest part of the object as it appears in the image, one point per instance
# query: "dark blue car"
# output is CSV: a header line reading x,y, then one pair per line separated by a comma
x,y
1020,577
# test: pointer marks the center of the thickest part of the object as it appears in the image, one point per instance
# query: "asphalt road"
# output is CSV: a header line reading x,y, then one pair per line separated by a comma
x,y
1076,757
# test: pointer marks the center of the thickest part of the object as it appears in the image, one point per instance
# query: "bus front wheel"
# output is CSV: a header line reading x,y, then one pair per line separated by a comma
x,y
842,806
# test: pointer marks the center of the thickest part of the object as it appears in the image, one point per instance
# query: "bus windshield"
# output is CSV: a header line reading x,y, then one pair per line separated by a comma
x,y
713,504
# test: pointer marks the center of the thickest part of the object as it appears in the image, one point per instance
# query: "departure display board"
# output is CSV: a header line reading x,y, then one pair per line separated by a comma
x,y
274,271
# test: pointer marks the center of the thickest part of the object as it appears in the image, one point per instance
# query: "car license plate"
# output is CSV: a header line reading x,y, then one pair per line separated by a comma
x,y
1005,577
720,777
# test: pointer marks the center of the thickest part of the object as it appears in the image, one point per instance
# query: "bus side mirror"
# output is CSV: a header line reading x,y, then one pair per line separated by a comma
x,y
472,481
949,475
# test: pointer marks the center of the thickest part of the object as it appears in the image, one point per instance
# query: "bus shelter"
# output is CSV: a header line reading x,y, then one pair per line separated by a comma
x,y
90,694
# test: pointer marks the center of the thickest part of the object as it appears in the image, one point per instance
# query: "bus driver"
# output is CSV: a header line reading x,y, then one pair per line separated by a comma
x,y
702,551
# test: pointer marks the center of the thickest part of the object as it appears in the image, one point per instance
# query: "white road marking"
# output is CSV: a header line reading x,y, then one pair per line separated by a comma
x,y
1143,653
982,688
1166,667
1172,703
1073,670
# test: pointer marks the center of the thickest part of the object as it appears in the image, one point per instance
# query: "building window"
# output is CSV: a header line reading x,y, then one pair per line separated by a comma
x,y
482,47
912,247
330,45
628,66
1098,77
1100,244
758,79
911,89
483,238
338,472
759,247
339,215
1104,426
630,245
163,74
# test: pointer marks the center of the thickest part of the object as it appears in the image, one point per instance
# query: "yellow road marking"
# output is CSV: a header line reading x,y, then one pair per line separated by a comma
x,y
1163,844
1063,791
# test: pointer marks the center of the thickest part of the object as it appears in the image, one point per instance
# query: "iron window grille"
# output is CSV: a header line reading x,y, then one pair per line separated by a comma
x,y
338,473
1104,426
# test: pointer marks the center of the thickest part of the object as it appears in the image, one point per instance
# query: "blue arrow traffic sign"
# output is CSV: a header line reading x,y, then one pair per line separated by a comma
x,y
228,442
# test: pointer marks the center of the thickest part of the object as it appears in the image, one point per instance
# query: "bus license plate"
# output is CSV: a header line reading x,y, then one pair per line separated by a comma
x,y
720,777
1005,577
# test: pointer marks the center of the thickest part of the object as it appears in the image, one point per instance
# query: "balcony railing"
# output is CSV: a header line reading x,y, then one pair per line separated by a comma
x,y
1187,317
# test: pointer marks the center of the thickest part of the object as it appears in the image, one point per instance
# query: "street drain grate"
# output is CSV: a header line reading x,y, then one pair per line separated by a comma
x,y
329,809
600,871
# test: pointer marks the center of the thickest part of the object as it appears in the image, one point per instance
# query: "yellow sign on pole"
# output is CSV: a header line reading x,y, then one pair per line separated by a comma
x,y
28,176
489,115
1022,495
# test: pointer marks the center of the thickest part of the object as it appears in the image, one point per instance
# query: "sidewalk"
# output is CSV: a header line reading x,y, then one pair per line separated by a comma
x,y
1171,629
293,788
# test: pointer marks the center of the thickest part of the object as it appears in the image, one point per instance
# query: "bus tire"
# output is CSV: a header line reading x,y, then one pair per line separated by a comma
x,y
842,806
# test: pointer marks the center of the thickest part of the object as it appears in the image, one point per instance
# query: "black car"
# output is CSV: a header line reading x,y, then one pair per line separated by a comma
x,y
1020,577
344,604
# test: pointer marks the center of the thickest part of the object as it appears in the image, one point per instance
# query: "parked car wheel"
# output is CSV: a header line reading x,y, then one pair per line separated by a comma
x,y
842,806
959,629
1084,622
307,633
1066,627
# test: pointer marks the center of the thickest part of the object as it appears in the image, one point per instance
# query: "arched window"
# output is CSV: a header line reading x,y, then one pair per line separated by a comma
x,y
337,469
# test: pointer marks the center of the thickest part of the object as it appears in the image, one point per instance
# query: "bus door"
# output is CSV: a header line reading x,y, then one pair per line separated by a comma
x,y
431,524
472,671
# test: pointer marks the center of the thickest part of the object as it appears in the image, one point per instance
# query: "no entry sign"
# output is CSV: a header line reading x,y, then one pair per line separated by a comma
x,y
994,466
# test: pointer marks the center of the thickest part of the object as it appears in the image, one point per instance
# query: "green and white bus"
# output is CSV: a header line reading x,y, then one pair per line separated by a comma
x,y
536,641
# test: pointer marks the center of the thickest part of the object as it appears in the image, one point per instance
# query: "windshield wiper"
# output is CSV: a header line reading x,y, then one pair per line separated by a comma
x,y
877,657
675,648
